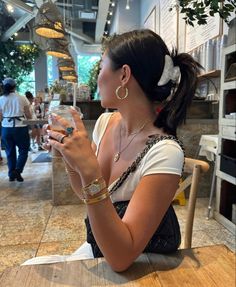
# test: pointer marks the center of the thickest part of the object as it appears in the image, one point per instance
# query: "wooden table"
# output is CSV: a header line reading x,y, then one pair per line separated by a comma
x,y
35,122
201,267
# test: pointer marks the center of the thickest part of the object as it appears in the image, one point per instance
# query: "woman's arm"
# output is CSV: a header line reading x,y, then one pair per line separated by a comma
x,y
74,177
122,241
27,112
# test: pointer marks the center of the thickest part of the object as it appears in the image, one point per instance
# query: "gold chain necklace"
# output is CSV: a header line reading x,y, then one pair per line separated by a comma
x,y
117,155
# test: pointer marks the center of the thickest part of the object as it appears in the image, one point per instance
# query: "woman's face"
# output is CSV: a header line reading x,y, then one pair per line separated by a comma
x,y
108,81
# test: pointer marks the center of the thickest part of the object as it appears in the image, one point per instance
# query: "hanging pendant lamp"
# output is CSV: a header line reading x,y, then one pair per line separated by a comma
x,y
66,65
49,21
58,48
69,75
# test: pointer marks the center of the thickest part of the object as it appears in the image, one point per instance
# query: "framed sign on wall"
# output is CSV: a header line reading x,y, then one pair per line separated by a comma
x,y
169,23
200,34
150,22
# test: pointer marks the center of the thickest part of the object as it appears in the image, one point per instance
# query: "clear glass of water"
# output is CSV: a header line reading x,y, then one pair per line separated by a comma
x,y
63,111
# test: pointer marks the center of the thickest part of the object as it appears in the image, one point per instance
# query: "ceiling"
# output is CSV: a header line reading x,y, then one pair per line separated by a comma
x,y
85,20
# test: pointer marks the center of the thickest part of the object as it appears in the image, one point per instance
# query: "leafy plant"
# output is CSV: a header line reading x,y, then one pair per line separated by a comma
x,y
92,82
199,11
17,61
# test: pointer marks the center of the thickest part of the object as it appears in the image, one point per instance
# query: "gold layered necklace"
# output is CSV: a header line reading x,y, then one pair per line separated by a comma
x,y
117,155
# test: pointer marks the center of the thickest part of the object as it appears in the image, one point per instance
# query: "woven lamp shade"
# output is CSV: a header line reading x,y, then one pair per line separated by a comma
x,y
66,65
69,76
58,48
49,22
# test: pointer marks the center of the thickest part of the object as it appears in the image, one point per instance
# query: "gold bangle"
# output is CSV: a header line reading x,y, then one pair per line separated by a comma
x,y
96,199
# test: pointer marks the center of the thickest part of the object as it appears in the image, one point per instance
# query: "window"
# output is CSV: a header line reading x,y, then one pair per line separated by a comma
x,y
28,84
50,71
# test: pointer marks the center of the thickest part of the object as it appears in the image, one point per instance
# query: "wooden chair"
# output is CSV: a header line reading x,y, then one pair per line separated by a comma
x,y
193,168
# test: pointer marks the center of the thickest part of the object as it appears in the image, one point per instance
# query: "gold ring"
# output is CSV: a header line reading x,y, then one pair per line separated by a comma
x,y
62,138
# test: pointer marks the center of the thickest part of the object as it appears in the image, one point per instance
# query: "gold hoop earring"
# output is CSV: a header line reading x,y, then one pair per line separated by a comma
x,y
126,93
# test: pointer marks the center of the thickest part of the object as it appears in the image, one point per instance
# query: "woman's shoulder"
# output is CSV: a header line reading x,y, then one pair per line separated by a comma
x,y
100,126
166,145
103,119
165,156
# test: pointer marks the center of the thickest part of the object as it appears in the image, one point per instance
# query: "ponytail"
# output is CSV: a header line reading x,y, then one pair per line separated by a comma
x,y
173,112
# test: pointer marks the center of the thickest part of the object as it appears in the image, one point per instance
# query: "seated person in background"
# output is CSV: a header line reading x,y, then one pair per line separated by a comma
x,y
128,177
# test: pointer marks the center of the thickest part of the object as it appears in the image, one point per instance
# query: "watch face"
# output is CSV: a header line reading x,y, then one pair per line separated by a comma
x,y
94,188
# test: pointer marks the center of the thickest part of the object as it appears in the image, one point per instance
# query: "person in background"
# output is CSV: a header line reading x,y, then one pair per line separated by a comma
x,y
1,159
35,129
40,114
39,107
129,175
13,110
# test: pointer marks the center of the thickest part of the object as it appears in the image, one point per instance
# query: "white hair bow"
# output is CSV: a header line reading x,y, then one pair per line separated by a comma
x,y
170,72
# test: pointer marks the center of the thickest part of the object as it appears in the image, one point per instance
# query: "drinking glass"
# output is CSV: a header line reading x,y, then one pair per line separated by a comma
x,y
63,111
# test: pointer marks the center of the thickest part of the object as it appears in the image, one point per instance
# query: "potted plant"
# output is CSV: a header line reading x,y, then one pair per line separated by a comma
x,y
199,11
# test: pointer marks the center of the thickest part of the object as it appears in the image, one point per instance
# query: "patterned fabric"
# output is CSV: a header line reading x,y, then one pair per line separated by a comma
x,y
167,237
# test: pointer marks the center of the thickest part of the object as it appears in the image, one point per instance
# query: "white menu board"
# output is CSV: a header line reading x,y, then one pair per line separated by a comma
x,y
168,23
199,34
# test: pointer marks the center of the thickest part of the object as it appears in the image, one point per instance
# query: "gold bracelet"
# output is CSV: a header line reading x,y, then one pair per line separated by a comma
x,y
96,199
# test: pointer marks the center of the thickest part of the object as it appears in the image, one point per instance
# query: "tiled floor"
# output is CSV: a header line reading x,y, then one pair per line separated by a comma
x,y
30,226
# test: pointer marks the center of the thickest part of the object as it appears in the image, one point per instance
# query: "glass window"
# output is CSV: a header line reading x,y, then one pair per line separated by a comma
x,y
50,70
28,84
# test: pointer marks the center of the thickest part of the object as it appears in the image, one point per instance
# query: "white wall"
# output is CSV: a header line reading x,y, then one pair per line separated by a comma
x,y
145,9
126,20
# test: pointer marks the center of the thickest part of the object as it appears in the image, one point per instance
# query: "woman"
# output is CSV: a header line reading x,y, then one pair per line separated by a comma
x,y
137,73
13,110
35,129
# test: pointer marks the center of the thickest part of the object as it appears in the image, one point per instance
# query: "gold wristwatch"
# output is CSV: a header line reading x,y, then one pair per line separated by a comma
x,y
94,187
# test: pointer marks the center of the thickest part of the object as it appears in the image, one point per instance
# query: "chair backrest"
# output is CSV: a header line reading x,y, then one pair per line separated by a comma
x,y
194,168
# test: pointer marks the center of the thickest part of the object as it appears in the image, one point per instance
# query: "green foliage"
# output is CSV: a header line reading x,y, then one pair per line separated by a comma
x,y
85,64
17,61
92,82
199,11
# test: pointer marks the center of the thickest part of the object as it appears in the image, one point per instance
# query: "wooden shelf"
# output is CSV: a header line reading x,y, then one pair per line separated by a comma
x,y
225,187
226,177
210,74
224,221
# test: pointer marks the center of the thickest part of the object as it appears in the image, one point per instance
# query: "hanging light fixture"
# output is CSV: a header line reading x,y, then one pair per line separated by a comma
x,y
58,48
49,22
66,64
69,75
127,7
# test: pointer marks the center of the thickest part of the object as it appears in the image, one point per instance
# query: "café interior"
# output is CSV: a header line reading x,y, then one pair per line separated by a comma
x,y
41,215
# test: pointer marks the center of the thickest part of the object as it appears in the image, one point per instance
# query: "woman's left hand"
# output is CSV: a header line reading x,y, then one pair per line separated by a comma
x,y
75,147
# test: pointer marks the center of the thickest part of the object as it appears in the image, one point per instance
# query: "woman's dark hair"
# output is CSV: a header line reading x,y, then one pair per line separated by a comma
x,y
29,95
144,51
7,89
